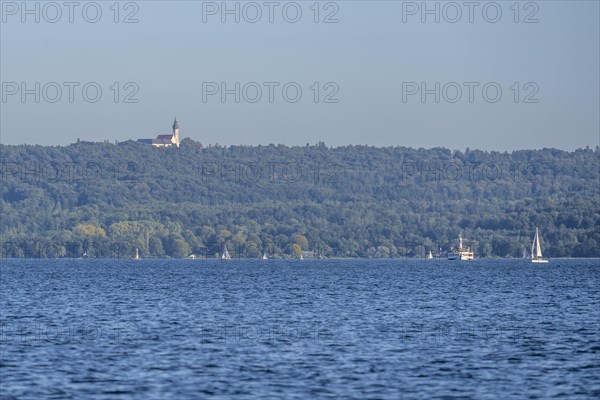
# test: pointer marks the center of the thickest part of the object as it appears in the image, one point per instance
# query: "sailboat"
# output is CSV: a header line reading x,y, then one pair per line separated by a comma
x,y
137,254
225,255
264,257
430,255
536,249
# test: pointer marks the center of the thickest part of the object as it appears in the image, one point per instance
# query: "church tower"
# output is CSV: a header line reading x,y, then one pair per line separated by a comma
x,y
176,132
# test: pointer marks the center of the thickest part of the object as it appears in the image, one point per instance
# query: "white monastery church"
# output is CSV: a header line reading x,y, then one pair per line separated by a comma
x,y
165,140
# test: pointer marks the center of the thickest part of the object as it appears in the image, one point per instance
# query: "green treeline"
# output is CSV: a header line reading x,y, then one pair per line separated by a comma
x,y
105,200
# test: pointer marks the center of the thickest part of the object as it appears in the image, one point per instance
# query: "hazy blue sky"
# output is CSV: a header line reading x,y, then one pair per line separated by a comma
x,y
375,50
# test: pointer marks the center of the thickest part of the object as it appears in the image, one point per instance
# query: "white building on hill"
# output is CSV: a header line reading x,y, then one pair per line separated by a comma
x,y
165,140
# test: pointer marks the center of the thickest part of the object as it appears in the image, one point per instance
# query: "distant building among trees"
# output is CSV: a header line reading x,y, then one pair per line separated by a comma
x,y
165,140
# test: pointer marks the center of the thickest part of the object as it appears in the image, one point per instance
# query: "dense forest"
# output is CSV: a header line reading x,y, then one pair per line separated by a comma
x,y
106,200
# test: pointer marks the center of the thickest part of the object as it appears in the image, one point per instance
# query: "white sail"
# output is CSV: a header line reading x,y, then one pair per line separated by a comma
x,y
225,255
537,244
536,249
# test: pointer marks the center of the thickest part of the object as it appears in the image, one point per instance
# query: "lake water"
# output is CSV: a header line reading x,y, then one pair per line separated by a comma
x,y
175,329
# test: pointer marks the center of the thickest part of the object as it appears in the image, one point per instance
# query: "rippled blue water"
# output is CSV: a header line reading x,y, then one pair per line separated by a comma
x,y
299,329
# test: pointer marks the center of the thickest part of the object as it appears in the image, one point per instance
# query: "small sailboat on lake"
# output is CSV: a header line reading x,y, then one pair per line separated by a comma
x,y
536,249
225,255
430,255
137,254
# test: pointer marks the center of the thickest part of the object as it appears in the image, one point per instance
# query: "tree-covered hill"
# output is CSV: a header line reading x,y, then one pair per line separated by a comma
x,y
104,200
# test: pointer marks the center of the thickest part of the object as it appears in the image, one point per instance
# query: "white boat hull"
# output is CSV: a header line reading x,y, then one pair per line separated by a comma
x,y
463,256
539,261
